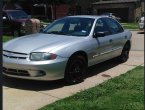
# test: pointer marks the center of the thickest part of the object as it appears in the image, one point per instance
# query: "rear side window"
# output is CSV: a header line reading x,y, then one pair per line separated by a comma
x,y
114,26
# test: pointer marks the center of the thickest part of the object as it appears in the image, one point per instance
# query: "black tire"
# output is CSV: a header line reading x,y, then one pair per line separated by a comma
x,y
16,33
75,70
125,53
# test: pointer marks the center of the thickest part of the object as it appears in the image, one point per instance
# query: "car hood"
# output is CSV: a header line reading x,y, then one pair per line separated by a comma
x,y
39,43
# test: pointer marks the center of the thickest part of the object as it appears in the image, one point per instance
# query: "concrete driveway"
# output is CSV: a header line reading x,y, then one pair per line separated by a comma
x,y
137,41
30,95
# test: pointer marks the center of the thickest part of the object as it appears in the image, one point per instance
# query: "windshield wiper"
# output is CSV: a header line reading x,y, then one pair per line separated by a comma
x,y
53,32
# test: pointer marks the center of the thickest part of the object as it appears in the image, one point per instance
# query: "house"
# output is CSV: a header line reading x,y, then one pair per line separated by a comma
x,y
127,10
47,9
42,9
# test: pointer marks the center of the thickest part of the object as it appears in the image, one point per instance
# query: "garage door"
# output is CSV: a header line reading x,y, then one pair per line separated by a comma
x,y
123,13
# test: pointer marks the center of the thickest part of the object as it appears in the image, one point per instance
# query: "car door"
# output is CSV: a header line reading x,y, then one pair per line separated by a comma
x,y
118,36
102,44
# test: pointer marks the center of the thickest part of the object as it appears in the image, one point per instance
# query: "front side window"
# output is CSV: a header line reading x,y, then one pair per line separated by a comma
x,y
101,26
73,26
113,25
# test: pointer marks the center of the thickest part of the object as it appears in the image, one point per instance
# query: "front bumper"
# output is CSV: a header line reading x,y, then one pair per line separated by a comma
x,y
34,70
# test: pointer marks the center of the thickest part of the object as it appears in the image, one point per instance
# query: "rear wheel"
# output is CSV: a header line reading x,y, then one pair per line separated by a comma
x,y
125,53
75,70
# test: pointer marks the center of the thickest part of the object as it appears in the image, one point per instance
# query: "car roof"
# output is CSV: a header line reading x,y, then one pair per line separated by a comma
x,y
89,16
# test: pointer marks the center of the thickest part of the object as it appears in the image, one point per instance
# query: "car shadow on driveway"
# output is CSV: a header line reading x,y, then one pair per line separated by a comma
x,y
50,85
141,32
101,67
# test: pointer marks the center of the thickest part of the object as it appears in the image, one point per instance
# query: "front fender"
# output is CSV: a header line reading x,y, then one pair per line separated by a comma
x,y
68,50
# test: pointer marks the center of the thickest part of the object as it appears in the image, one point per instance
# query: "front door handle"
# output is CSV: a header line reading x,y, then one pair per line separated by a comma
x,y
110,40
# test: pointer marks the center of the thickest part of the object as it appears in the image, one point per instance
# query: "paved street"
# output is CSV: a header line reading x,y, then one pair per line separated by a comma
x,y
30,95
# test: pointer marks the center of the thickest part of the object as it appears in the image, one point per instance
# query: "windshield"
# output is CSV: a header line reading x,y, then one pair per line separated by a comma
x,y
73,26
17,14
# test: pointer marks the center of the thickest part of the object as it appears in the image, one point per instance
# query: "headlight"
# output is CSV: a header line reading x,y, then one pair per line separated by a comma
x,y
42,56
23,24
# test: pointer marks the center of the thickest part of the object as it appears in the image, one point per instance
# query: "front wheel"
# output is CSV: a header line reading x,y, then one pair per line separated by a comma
x,y
125,53
75,70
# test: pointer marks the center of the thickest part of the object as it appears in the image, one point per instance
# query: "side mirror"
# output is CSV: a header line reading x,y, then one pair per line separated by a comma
x,y
4,18
100,34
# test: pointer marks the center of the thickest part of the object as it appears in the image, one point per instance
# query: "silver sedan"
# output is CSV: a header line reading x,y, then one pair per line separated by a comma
x,y
65,48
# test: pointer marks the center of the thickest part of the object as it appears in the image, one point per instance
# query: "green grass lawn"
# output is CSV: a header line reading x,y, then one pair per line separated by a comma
x,y
130,25
125,92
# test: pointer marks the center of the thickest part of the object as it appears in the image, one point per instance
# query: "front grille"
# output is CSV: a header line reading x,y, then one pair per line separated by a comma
x,y
15,72
14,55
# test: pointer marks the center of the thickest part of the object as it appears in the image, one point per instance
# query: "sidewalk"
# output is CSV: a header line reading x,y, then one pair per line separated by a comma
x,y
31,95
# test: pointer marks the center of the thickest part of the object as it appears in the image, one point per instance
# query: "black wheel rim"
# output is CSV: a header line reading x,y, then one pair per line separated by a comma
x,y
76,71
125,55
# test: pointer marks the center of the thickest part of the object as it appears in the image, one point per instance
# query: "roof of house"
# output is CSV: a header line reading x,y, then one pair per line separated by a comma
x,y
115,1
